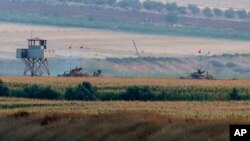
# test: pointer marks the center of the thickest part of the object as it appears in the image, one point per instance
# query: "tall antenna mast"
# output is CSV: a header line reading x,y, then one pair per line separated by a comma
x,y
136,49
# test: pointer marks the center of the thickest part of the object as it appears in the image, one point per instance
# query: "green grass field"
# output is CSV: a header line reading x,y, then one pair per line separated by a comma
x,y
61,120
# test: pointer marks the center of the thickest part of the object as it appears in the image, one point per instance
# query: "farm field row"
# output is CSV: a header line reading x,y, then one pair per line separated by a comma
x,y
114,88
122,81
183,110
136,121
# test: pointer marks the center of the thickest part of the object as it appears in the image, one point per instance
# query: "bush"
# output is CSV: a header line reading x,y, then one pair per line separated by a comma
x,y
83,91
109,96
4,90
153,5
194,9
229,13
218,12
100,2
35,91
242,14
134,4
171,7
234,94
208,12
182,10
138,93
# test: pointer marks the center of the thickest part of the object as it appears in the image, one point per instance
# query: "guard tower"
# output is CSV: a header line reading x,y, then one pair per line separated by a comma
x,y
35,57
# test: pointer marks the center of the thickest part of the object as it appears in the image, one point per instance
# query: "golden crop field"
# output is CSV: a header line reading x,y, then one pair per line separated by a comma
x,y
123,81
226,111
95,121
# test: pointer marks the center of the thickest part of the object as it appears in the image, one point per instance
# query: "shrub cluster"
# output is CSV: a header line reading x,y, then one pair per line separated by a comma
x,y
138,93
85,91
4,90
38,92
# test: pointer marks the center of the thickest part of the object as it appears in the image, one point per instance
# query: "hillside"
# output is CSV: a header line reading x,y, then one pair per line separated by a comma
x,y
128,20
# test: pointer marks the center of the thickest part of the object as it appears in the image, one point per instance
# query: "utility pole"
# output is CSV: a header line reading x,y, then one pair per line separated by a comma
x,y
208,63
136,49
70,47
81,56
199,66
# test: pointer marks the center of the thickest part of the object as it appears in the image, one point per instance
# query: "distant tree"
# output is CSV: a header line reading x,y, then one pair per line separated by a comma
x,y
194,9
242,14
229,13
100,2
39,92
218,12
172,18
134,4
234,94
208,12
4,90
83,91
138,93
248,14
171,7
153,5
182,10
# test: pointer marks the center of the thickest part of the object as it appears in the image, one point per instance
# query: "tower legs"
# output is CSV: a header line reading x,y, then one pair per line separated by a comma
x,y
36,67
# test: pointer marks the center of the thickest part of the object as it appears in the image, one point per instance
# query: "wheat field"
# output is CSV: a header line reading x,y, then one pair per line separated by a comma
x,y
123,81
221,111
136,121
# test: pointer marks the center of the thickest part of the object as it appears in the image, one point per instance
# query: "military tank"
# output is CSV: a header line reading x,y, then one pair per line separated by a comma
x,y
199,74
78,72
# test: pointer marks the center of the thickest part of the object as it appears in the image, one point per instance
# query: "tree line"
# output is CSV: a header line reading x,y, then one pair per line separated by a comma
x,y
190,9
172,8
86,92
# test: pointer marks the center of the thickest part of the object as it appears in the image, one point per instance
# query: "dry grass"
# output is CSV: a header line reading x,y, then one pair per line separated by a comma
x,y
119,81
120,126
120,121
227,111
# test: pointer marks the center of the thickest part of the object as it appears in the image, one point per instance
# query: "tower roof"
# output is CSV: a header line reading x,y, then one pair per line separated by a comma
x,y
36,39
